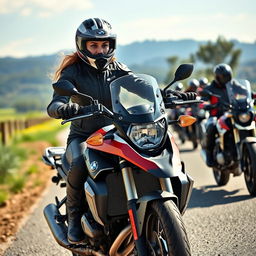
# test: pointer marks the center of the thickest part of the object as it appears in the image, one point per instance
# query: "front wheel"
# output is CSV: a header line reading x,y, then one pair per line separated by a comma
x,y
221,177
164,230
249,167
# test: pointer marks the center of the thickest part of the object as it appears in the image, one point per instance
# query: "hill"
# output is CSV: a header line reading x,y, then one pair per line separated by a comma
x,y
25,82
146,51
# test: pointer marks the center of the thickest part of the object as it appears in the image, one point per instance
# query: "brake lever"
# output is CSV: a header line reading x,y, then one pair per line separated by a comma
x,y
92,110
175,102
76,118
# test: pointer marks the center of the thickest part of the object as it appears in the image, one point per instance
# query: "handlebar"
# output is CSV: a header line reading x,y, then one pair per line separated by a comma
x,y
173,102
89,111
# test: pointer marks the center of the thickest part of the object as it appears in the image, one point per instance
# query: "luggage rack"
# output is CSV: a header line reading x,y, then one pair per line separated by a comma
x,y
52,155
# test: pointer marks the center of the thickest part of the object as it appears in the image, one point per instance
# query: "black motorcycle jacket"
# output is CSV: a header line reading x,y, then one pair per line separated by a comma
x,y
210,93
90,81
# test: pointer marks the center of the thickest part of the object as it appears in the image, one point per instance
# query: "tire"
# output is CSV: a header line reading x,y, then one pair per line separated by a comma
x,y
195,144
220,177
164,230
249,167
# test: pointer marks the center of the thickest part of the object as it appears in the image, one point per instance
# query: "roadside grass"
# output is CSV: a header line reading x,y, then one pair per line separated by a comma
x,y
4,196
11,114
46,131
13,176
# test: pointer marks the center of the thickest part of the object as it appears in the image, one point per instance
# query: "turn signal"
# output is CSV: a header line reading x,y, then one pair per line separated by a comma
x,y
185,120
95,140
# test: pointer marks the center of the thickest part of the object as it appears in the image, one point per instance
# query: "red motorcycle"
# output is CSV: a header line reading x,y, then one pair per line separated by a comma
x,y
235,142
137,188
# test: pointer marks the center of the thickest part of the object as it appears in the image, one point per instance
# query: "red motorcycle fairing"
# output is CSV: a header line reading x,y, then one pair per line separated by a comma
x,y
160,166
222,122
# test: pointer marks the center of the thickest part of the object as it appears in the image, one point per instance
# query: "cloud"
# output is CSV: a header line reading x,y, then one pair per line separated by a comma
x,y
25,11
16,48
200,27
49,7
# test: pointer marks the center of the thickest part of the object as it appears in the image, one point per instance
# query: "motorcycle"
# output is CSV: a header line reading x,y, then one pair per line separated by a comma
x,y
235,143
174,114
137,187
191,131
202,116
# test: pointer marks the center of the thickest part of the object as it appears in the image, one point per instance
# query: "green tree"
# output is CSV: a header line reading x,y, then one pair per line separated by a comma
x,y
221,51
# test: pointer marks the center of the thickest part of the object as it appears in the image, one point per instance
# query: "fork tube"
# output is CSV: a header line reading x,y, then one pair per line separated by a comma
x,y
166,184
129,184
132,197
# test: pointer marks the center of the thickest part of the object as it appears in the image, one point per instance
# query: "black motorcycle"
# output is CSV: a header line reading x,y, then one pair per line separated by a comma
x,y
137,188
235,143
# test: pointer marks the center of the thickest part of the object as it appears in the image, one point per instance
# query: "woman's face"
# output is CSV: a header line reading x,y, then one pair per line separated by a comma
x,y
96,47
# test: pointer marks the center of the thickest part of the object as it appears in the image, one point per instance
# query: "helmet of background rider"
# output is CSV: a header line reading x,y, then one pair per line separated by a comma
x,y
193,84
178,86
222,73
203,81
95,29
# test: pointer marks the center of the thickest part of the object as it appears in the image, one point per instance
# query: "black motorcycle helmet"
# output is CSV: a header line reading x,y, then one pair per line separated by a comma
x,y
178,86
222,73
203,81
95,29
193,84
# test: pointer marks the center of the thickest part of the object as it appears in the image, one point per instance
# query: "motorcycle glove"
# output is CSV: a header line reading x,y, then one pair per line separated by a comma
x,y
68,110
184,95
191,95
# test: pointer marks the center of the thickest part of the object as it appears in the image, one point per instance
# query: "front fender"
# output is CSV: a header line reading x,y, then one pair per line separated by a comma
x,y
144,200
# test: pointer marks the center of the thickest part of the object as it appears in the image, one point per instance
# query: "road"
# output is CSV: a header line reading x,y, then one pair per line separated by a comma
x,y
219,220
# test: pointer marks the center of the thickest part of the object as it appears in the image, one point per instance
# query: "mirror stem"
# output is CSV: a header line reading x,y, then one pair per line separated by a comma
x,y
171,83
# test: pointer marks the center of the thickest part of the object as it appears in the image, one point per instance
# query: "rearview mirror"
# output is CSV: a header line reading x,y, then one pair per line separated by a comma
x,y
182,72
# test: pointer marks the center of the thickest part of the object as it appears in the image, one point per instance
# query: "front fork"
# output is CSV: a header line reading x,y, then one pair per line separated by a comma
x,y
132,197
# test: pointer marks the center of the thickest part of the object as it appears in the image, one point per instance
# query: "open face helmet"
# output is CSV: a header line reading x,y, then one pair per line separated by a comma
x,y
95,29
222,73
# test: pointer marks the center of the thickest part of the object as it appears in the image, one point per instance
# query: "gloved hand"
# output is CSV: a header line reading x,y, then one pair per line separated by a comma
x,y
185,95
68,110
208,107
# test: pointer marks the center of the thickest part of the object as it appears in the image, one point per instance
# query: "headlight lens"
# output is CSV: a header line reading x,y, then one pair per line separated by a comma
x,y
244,117
147,136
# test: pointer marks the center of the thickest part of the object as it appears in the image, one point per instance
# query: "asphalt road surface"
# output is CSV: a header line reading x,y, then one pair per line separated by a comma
x,y
219,220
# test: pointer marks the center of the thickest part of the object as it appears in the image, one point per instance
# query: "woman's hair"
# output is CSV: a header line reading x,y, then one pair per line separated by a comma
x,y
67,61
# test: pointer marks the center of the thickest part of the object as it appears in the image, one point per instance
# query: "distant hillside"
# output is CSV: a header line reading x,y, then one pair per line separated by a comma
x,y
25,82
150,51
248,71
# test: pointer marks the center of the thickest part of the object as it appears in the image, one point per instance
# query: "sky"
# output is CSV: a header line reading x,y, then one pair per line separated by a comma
x,y
41,27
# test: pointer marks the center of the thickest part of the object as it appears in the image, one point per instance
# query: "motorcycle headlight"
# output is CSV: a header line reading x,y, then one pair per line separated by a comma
x,y
244,117
147,136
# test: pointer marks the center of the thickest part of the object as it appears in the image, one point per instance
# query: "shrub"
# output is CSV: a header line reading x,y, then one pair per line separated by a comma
x,y
3,196
32,169
16,183
9,161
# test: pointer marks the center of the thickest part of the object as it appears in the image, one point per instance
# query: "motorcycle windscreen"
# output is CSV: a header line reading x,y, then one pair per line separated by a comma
x,y
136,98
239,93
